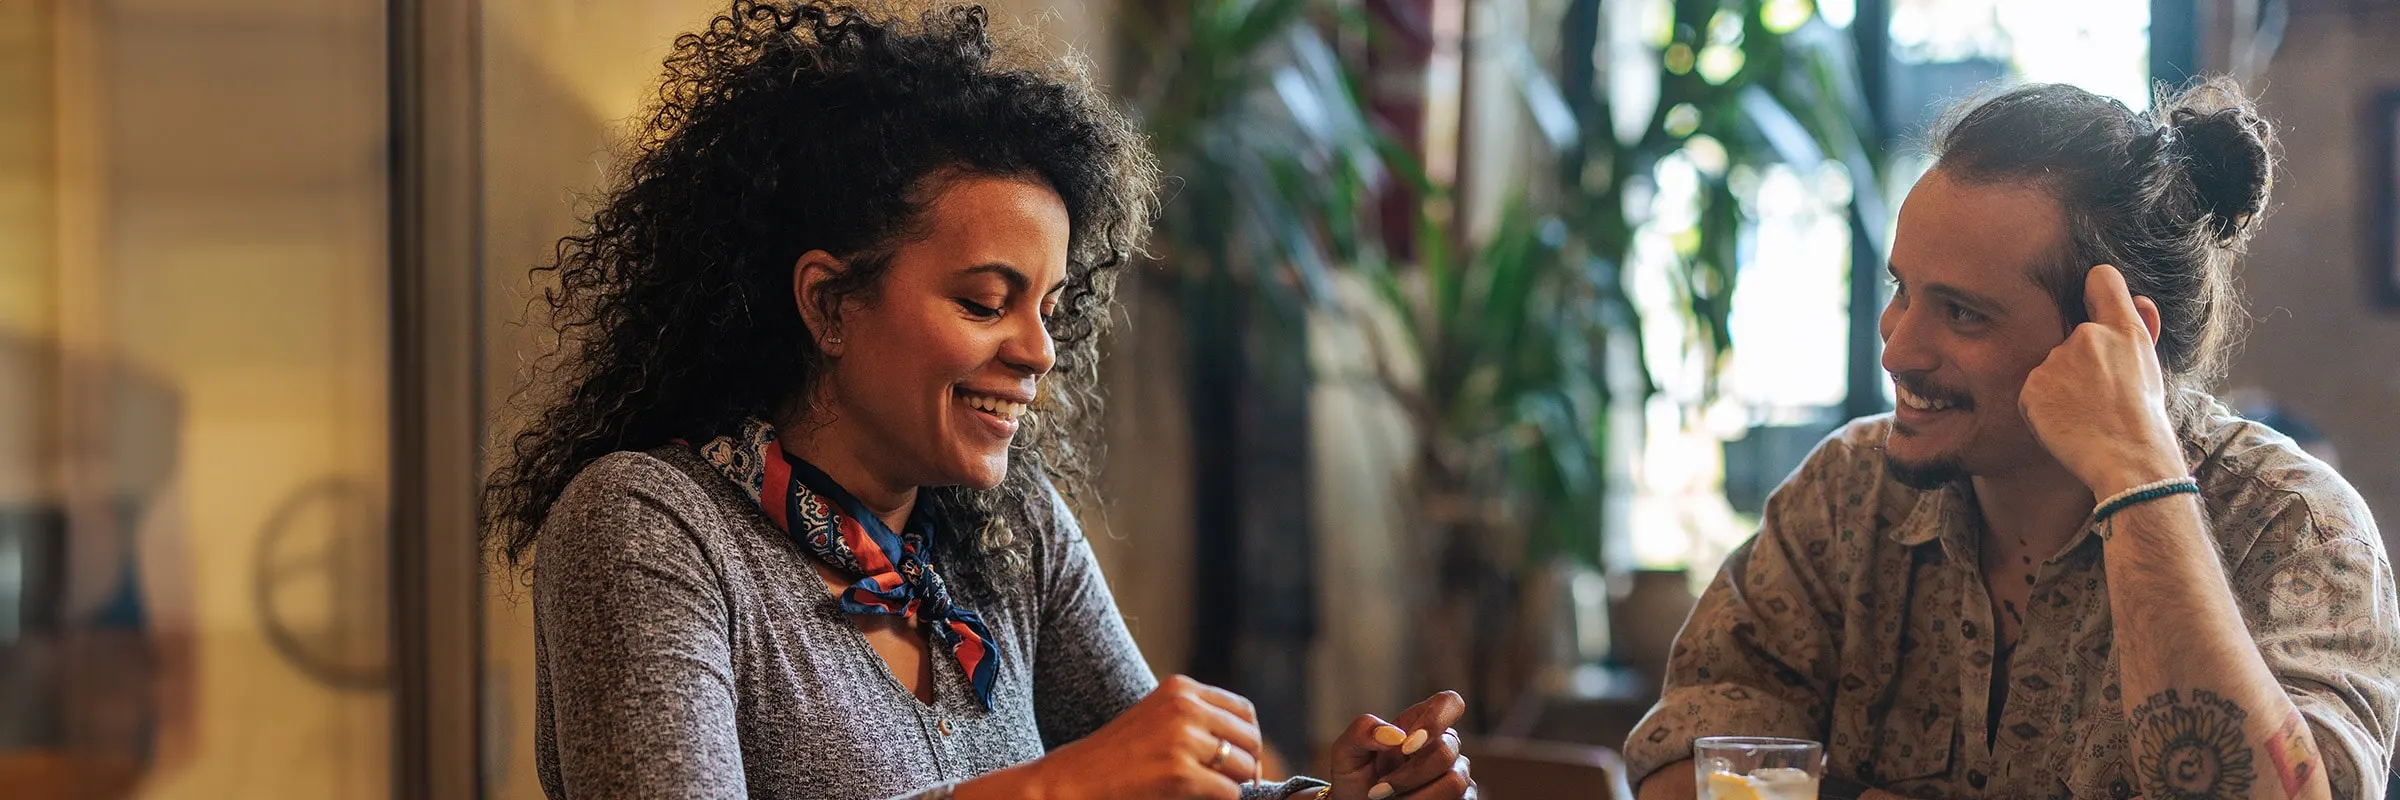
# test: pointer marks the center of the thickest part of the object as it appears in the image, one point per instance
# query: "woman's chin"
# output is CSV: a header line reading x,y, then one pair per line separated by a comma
x,y
982,472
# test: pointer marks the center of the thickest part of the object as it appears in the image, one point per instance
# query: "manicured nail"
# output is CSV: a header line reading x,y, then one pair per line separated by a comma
x,y
1389,736
1415,741
1381,791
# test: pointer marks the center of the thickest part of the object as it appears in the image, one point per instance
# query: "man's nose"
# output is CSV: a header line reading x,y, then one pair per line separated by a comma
x,y
1906,346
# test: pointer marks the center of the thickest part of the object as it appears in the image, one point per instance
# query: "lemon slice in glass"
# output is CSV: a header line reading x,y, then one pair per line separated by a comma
x,y
1728,786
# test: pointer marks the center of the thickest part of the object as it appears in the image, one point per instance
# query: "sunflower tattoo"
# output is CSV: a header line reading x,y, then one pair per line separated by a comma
x,y
2192,750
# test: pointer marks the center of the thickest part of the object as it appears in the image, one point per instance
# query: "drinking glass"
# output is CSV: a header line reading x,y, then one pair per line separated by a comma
x,y
1757,768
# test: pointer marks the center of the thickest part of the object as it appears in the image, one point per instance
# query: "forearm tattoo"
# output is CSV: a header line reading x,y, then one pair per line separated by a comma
x,y
2294,751
2192,748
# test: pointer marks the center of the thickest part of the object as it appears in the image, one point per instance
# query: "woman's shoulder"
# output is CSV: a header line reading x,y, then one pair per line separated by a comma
x,y
634,537
626,496
629,475
1051,518
1056,547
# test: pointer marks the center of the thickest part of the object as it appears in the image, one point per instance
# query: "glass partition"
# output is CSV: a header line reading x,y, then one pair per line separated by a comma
x,y
194,391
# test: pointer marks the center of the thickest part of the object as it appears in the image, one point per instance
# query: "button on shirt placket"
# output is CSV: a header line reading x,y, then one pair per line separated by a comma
x,y
2030,696
940,739
944,718
1975,632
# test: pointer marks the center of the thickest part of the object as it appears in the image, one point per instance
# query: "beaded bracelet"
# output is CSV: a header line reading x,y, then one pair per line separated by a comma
x,y
2144,493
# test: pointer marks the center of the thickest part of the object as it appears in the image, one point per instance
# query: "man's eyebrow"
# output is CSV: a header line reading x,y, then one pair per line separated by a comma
x,y
1017,282
1982,303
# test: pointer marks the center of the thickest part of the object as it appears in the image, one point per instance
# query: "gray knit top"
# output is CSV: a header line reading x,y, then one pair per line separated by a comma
x,y
686,649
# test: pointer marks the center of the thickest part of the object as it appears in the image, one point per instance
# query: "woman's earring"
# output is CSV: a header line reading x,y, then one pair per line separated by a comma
x,y
834,340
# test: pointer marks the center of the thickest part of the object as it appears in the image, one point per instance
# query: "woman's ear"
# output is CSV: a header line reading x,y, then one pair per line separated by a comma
x,y
809,276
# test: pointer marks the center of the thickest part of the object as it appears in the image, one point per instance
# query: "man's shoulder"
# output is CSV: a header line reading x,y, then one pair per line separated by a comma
x,y
1843,487
2252,473
1853,450
1850,459
1862,437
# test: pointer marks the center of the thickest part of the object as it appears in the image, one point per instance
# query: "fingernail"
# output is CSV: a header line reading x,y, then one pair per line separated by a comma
x,y
1389,736
1415,741
1381,791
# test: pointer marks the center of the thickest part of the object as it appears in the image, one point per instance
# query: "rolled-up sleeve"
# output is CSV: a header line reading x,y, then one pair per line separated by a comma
x,y
2319,598
1756,658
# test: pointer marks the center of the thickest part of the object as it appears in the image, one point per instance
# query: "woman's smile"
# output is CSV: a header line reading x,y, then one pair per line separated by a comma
x,y
999,412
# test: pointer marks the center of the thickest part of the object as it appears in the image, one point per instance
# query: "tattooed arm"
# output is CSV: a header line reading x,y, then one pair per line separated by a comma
x,y
2208,718
2315,592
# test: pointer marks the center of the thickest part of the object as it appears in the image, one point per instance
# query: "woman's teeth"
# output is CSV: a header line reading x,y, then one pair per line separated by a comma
x,y
1911,400
1004,409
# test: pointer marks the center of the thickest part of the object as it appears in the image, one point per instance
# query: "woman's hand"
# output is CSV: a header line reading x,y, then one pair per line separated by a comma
x,y
1167,746
1413,757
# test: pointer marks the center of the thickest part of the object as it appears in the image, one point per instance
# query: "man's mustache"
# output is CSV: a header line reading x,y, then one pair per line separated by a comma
x,y
1920,386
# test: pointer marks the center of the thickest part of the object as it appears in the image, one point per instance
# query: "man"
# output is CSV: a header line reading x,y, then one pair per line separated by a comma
x,y
2059,569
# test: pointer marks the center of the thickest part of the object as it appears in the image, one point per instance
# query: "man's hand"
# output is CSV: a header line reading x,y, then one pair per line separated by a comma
x,y
2099,402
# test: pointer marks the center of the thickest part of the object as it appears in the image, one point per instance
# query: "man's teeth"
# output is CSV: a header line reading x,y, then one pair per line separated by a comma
x,y
1911,400
1005,409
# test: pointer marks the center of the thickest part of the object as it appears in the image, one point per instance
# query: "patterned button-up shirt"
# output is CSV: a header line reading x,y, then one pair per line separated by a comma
x,y
1858,617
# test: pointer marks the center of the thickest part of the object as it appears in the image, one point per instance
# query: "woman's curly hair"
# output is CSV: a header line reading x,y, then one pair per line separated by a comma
x,y
788,127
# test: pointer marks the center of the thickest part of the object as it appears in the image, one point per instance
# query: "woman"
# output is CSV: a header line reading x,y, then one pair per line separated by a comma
x,y
833,345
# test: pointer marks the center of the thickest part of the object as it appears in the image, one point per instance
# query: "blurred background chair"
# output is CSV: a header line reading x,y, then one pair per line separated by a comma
x,y
1526,769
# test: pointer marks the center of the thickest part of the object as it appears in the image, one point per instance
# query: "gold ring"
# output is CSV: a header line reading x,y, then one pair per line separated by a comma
x,y
1224,748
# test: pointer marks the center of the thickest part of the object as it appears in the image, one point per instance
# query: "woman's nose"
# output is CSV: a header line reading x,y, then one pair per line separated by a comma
x,y
1031,348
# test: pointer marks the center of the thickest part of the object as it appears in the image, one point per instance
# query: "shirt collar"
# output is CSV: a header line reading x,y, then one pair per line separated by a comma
x,y
1934,513
1927,515
1949,514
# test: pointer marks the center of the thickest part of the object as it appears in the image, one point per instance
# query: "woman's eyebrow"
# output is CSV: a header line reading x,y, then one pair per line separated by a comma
x,y
1017,282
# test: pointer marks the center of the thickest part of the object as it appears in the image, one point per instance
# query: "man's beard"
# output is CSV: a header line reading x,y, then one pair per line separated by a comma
x,y
1943,470
1924,477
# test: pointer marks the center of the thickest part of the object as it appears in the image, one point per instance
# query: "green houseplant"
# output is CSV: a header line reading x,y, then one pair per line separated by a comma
x,y
1514,350
1271,164
1528,342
